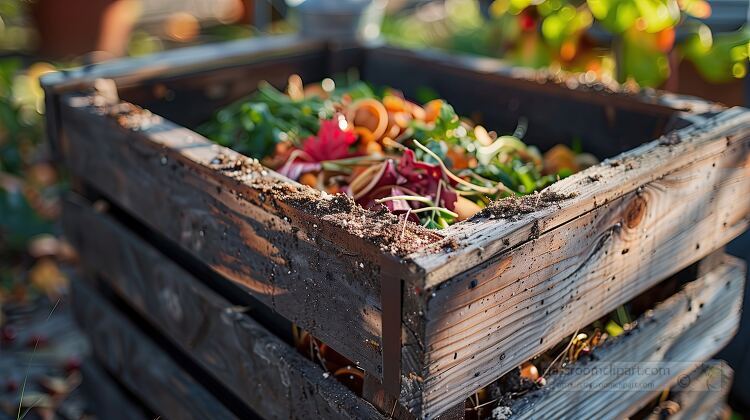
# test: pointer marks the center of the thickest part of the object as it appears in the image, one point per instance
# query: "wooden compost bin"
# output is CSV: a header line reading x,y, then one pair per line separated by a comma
x,y
215,256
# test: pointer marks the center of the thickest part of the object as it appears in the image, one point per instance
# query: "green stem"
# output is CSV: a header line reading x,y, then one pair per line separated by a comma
x,y
439,209
406,198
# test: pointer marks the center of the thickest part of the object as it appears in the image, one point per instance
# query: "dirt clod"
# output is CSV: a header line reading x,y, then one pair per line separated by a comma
x,y
127,115
512,207
512,383
671,139
534,234
388,231
593,178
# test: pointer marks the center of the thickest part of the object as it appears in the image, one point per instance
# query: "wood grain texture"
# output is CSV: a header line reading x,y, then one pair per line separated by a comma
x,y
491,318
324,280
193,60
671,341
140,364
482,239
497,95
701,394
264,372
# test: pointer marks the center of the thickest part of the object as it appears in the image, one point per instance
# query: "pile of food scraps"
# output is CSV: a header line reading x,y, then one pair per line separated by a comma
x,y
383,150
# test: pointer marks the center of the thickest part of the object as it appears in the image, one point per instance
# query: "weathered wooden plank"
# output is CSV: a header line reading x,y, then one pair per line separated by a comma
x,y
230,65
189,84
135,70
108,400
191,99
701,394
669,342
546,82
499,95
308,270
484,322
483,238
259,368
140,364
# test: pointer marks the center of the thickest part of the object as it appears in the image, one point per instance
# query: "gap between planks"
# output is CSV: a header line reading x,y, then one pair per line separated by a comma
x,y
672,340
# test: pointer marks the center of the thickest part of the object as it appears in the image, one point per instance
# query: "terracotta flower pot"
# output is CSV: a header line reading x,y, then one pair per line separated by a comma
x,y
74,27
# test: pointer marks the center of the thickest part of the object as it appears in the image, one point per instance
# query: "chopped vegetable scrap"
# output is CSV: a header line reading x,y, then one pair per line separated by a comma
x,y
383,150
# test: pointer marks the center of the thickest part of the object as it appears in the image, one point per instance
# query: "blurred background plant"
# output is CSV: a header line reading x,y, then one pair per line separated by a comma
x,y
622,40
28,182
40,36
36,37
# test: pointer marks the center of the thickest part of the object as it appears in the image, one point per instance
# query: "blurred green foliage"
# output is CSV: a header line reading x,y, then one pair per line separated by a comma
x,y
612,39
15,33
21,107
29,185
718,56
21,131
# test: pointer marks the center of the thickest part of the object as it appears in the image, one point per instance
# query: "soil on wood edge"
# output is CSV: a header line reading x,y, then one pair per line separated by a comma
x,y
127,115
389,232
512,207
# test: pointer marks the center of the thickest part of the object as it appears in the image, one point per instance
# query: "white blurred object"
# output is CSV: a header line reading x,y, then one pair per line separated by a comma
x,y
340,19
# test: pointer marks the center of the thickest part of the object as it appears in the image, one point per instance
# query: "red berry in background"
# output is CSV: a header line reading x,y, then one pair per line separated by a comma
x,y
8,334
526,22
72,364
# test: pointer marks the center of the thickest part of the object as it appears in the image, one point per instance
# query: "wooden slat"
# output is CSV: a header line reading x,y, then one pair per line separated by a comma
x,y
190,84
134,70
107,398
267,374
315,275
488,320
191,99
140,364
498,95
482,239
701,394
672,340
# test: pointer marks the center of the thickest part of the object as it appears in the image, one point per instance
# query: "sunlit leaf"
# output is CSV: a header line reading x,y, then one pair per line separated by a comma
x,y
600,8
658,15
499,7
615,15
613,329
553,27
723,59
516,6
700,9
642,59
698,41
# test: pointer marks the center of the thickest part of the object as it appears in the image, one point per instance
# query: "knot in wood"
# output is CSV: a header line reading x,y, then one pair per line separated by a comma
x,y
635,212
171,302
